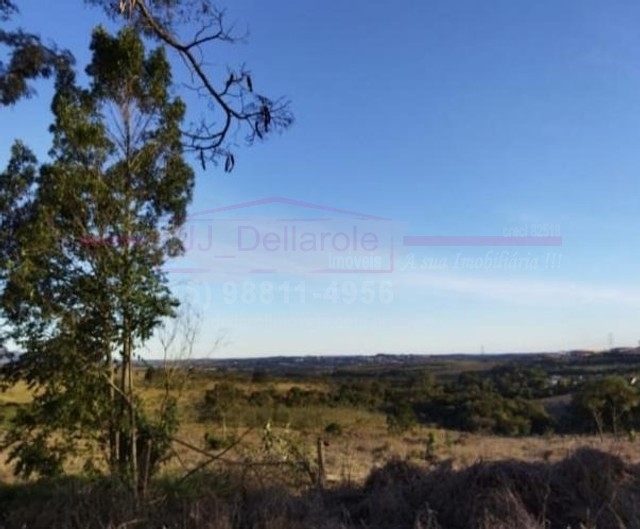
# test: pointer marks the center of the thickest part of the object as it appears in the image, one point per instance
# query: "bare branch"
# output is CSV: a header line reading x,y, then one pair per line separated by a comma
x,y
236,101
210,457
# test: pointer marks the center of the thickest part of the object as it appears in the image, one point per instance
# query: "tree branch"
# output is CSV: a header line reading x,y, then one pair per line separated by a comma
x,y
258,113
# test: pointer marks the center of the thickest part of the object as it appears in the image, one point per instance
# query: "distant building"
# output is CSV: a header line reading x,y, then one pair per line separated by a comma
x,y
624,350
580,354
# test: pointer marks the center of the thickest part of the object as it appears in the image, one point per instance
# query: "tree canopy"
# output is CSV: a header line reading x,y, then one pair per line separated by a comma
x,y
232,104
28,59
84,234
83,240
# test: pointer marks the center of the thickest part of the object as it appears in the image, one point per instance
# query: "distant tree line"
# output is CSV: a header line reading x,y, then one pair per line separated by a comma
x,y
508,400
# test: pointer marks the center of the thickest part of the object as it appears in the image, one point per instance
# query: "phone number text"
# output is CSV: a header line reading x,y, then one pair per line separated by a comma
x,y
300,292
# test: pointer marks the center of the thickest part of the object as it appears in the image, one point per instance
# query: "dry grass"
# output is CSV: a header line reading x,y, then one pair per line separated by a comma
x,y
375,481
588,490
365,443
465,449
17,394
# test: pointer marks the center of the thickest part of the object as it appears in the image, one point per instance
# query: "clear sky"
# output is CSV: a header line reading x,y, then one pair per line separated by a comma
x,y
445,118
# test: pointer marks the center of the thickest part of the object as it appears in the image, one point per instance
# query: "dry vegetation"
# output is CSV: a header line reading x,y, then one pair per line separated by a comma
x,y
423,478
587,490
352,456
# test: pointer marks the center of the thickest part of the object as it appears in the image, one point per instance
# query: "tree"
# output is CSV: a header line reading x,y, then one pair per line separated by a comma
x,y
220,402
609,402
83,237
401,417
232,105
83,241
29,59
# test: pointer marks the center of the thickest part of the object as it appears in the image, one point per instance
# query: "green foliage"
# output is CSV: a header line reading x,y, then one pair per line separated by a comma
x,y
505,399
215,443
516,380
401,417
260,376
499,402
265,398
608,405
491,402
38,456
82,242
359,393
150,374
493,413
220,401
334,428
289,451
83,237
154,438
236,105
28,59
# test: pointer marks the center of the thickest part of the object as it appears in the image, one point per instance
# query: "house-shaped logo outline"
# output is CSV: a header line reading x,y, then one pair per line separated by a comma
x,y
203,216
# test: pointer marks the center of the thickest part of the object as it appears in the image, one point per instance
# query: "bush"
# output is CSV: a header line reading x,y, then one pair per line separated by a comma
x,y
401,418
588,489
333,428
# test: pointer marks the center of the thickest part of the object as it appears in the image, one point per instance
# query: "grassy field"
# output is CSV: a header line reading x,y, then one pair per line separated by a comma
x,y
360,440
256,432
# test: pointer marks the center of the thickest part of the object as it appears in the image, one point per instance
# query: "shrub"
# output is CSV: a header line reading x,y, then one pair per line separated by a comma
x,y
333,428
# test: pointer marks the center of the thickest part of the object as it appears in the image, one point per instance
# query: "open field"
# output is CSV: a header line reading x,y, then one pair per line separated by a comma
x,y
356,398
343,429
589,489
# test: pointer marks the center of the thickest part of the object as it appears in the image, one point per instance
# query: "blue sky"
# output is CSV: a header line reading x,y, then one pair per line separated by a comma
x,y
450,118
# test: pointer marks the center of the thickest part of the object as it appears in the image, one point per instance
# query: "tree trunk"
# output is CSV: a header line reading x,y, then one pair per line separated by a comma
x,y
322,473
133,437
114,439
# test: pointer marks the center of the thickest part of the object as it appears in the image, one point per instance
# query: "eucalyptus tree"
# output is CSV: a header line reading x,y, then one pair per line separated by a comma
x,y
232,106
84,238
84,235
26,58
